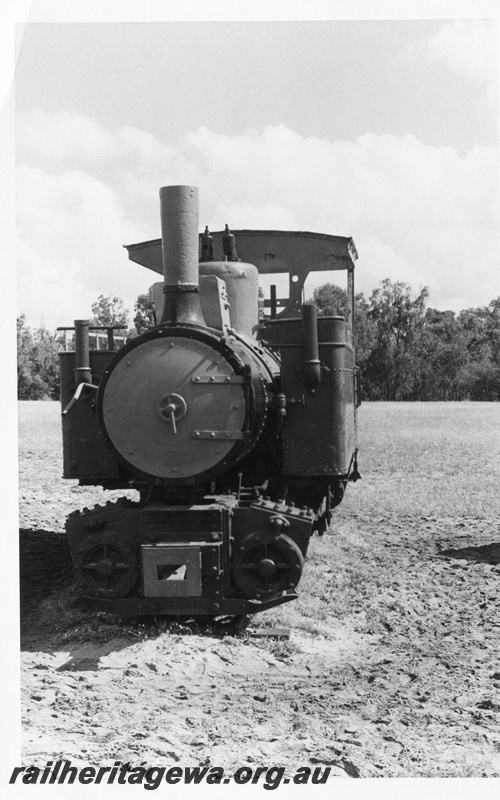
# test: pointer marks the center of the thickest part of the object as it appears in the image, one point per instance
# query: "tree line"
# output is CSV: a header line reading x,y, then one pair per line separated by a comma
x,y
405,350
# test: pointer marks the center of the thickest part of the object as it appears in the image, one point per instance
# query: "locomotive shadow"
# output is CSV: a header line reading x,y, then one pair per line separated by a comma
x,y
486,553
44,564
47,608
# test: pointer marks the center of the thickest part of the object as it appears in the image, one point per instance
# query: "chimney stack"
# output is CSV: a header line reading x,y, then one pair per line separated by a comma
x,y
180,247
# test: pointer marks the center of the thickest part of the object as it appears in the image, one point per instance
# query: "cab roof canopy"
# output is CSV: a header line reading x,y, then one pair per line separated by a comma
x,y
295,252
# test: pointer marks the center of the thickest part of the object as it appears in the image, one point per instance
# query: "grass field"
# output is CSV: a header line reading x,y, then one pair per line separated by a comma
x,y
428,458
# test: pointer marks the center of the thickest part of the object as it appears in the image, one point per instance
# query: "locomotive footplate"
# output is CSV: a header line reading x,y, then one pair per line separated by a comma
x,y
185,607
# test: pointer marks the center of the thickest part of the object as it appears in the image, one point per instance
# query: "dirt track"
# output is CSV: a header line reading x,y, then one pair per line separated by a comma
x,y
403,680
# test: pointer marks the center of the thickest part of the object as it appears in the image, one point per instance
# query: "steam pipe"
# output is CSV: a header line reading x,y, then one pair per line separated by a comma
x,y
274,304
311,365
82,371
180,243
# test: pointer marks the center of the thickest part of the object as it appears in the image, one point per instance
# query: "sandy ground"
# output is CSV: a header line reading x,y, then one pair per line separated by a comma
x,y
404,681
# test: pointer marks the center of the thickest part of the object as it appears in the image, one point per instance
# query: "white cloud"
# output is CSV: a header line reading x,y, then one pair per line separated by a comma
x,y
376,180
425,215
466,47
71,229
61,136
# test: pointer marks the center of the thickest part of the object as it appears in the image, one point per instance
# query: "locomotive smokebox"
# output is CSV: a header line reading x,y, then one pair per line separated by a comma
x,y
180,243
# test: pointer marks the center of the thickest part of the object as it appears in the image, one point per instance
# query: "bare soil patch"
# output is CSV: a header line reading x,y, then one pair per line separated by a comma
x,y
392,665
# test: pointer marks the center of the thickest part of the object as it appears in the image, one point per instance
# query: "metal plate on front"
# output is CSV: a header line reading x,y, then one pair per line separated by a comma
x,y
171,570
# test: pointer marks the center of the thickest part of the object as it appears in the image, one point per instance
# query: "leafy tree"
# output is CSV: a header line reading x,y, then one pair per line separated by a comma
x,y
26,390
331,300
399,318
482,326
144,317
474,324
364,332
37,362
109,310
480,381
440,352
480,376
46,355
493,329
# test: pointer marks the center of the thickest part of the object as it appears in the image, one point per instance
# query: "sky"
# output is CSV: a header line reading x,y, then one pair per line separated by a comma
x,y
383,130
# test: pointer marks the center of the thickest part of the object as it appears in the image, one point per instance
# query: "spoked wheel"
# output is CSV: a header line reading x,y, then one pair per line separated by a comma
x,y
265,564
107,566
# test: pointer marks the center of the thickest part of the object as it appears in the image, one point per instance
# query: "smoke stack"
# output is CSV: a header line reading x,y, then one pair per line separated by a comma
x,y
180,245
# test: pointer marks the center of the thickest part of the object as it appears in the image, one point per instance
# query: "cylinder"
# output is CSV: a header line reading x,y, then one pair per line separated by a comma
x,y
311,364
180,243
83,373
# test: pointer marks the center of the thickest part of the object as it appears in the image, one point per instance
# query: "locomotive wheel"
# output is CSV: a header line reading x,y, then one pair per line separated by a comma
x,y
107,566
265,564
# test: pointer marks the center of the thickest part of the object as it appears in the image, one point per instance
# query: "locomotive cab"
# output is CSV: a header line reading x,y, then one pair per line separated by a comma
x,y
236,427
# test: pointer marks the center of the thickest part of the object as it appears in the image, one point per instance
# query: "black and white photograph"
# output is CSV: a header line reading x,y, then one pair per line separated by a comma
x,y
257,407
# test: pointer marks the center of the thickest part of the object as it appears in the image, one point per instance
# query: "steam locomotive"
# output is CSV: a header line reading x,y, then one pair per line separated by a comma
x,y
233,417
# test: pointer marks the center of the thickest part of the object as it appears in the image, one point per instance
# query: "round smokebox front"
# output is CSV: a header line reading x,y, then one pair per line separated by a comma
x,y
174,408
